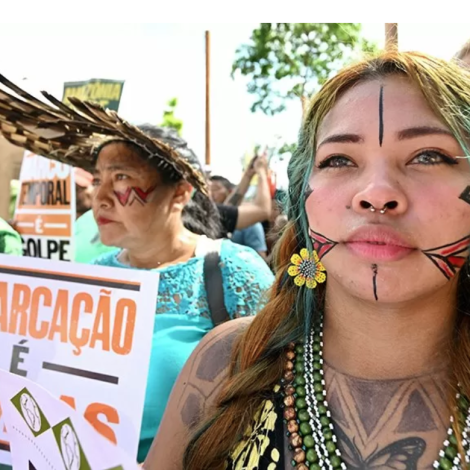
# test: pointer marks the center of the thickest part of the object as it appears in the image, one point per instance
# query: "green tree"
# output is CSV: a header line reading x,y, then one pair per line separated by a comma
x,y
169,118
291,60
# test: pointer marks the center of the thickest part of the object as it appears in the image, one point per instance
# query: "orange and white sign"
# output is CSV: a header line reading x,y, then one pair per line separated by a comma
x,y
84,337
45,208
46,433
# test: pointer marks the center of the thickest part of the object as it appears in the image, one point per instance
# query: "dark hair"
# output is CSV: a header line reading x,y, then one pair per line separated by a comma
x,y
200,215
223,181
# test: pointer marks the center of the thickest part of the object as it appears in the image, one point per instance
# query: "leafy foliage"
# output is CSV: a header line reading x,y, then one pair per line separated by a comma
x,y
169,118
291,60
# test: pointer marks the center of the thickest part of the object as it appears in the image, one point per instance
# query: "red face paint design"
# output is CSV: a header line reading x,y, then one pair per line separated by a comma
x,y
449,258
132,194
321,244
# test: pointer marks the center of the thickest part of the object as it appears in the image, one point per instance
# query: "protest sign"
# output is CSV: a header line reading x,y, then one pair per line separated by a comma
x,y
106,93
85,335
45,208
45,433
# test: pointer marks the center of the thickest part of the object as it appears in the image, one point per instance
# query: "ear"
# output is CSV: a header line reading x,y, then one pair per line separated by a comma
x,y
182,195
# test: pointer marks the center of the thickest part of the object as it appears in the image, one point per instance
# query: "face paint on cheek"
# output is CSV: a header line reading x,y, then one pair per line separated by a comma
x,y
449,258
381,116
308,193
132,194
465,196
321,244
374,280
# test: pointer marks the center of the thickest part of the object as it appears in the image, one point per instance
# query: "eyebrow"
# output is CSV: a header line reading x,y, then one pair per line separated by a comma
x,y
404,134
116,167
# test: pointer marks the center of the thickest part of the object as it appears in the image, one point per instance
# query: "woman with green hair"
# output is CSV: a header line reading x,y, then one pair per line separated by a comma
x,y
361,357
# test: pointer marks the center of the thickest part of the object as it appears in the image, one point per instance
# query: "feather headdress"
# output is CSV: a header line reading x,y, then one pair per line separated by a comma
x,y
74,135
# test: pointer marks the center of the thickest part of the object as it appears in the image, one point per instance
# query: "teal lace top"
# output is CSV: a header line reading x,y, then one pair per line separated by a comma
x,y
183,317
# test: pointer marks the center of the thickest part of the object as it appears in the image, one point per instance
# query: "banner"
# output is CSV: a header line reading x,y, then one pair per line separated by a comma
x,y
46,433
84,337
45,208
107,93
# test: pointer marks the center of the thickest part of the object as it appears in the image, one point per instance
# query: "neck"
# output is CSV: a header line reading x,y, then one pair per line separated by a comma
x,y
380,341
161,249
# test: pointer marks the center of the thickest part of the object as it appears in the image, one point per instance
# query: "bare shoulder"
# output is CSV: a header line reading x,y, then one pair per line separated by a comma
x,y
208,366
194,393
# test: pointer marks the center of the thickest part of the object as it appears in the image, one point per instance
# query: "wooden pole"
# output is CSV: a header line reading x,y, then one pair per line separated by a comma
x,y
208,101
391,36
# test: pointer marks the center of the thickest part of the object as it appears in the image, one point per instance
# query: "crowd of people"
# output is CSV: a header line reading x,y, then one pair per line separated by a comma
x,y
333,320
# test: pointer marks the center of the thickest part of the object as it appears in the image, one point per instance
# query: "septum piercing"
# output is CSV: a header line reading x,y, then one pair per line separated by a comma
x,y
382,211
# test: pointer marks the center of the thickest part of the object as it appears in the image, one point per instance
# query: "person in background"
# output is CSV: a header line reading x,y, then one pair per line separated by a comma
x,y
221,190
83,191
234,216
10,239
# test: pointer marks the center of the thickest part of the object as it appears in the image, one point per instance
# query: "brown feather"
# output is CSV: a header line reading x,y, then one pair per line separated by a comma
x,y
71,135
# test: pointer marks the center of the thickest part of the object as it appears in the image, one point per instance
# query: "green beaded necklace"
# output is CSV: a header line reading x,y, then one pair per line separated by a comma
x,y
308,421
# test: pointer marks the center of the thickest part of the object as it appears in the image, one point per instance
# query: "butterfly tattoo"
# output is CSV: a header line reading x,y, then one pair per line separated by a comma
x,y
400,455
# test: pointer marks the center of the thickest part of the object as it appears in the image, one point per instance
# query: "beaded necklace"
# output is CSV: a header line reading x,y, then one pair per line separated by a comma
x,y
308,421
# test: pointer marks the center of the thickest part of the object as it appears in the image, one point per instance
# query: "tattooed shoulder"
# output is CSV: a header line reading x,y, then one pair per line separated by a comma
x,y
208,369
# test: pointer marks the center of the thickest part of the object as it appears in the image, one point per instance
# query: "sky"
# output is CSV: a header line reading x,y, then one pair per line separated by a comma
x,y
162,61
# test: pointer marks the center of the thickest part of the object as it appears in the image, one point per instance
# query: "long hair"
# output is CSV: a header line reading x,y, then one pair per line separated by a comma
x,y
257,356
200,215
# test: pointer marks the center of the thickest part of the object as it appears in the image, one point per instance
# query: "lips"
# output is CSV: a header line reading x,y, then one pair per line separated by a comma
x,y
103,221
378,243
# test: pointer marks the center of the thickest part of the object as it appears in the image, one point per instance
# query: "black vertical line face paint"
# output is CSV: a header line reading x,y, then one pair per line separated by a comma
x,y
381,116
374,280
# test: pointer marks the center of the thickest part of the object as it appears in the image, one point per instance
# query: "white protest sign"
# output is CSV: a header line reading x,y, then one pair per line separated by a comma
x,y
45,433
45,208
84,333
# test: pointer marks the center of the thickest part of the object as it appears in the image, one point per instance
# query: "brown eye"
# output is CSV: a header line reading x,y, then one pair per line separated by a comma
x,y
432,157
336,161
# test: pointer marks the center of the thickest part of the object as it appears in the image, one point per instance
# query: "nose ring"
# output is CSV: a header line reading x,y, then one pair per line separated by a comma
x,y
382,211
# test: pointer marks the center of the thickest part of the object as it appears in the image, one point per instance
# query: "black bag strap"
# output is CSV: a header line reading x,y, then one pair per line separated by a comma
x,y
214,287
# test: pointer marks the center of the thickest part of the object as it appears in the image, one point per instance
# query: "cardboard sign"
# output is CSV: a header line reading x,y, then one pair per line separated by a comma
x,y
45,433
45,208
83,334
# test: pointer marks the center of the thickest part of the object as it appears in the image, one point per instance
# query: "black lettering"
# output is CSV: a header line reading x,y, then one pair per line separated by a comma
x,y
52,247
50,193
32,249
58,192
17,359
63,250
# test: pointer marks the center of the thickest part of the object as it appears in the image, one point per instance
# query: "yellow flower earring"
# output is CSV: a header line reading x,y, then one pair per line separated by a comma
x,y
307,269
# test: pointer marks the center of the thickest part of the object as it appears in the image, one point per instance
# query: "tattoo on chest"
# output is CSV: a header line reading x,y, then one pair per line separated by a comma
x,y
449,258
132,194
387,424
